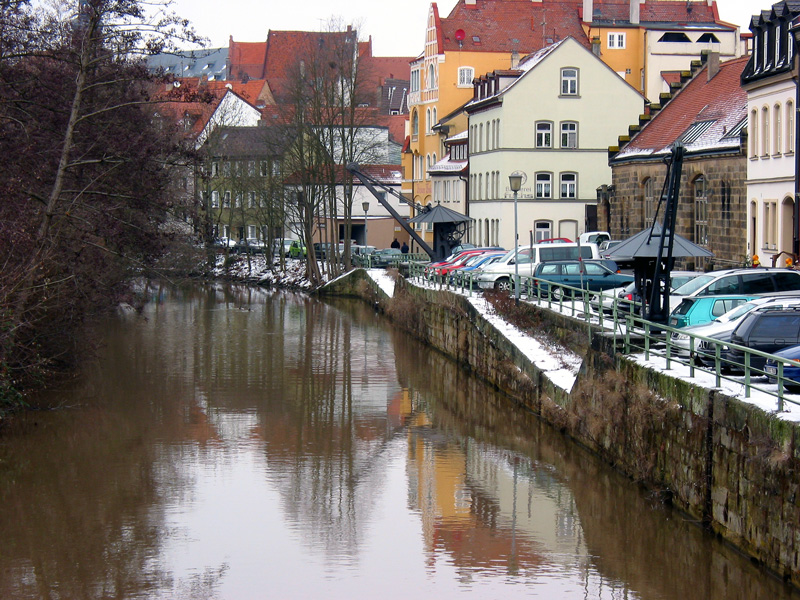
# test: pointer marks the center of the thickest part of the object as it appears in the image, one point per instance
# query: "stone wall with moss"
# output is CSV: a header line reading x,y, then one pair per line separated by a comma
x,y
729,465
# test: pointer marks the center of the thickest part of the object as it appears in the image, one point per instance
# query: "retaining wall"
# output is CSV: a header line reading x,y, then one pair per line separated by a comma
x,y
727,464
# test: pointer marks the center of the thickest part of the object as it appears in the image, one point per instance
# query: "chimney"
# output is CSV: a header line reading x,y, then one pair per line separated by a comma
x,y
634,14
470,2
514,59
588,11
713,65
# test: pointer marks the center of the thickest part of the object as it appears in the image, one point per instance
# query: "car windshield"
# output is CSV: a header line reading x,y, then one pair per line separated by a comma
x,y
693,285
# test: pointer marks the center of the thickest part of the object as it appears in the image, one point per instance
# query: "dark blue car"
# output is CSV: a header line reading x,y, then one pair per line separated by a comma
x,y
791,370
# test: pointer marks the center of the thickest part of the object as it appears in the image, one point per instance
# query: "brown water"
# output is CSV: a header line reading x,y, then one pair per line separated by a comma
x,y
236,443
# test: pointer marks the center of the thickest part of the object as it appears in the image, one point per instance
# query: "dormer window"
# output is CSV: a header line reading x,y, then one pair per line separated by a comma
x,y
674,36
708,38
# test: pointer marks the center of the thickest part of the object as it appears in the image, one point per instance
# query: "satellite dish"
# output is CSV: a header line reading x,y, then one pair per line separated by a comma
x,y
460,35
176,84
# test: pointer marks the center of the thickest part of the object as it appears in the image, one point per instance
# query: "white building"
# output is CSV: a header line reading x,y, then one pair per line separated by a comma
x,y
553,118
771,109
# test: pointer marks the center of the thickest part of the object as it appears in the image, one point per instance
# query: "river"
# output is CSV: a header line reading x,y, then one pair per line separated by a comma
x,y
241,443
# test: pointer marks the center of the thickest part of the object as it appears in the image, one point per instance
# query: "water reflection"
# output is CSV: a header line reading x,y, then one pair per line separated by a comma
x,y
240,443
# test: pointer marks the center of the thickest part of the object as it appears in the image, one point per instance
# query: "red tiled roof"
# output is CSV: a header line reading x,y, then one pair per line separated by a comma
x,y
671,77
508,25
246,58
656,11
722,100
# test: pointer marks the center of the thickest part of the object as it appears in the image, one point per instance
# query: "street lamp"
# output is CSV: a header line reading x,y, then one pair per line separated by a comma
x,y
365,206
515,183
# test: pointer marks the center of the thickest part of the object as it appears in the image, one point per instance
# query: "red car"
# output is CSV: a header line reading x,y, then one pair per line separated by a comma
x,y
433,268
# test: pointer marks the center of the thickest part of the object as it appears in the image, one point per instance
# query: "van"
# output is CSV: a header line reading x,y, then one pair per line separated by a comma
x,y
500,274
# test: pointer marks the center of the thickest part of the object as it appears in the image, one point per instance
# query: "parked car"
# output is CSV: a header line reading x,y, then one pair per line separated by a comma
x,y
764,330
627,297
606,251
592,275
433,268
559,240
594,237
751,281
791,370
698,310
499,274
250,245
385,257
296,249
224,242
460,248
321,250
474,264
281,247
721,327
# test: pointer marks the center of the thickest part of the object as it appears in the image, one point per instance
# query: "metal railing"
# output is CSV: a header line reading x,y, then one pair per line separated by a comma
x,y
635,335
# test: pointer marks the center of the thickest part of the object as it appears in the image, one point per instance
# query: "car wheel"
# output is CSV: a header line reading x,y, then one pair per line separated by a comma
x,y
557,293
792,388
503,284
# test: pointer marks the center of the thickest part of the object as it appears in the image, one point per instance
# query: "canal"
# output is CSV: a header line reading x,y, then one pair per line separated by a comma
x,y
240,443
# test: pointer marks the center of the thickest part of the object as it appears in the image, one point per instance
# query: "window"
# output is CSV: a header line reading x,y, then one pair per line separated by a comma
x,y
251,201
251,168
215,199
415,123
777,129
252,231
789,126
649,202
544,185
674,36
700,212
465,76
616,40
569,135
543,230
544,135
568,185
226,200
753,133
707,38
569,82
276,167
415,80
431,77
263,168
765,131
428,121
214,169
226,168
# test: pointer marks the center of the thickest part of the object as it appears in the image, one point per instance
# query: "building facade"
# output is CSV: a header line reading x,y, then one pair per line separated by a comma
x,y
541,119
708,117
769,80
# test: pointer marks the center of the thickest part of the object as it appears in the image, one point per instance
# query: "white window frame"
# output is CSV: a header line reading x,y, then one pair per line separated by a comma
x,y
565,131
616,40
544,185
568,185
570,77
465,77
546,135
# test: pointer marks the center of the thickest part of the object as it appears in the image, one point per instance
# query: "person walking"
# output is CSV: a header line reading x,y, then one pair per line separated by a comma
x,y
395,243
404,249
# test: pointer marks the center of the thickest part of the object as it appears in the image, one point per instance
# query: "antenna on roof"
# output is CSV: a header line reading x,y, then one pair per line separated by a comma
x,y
460,35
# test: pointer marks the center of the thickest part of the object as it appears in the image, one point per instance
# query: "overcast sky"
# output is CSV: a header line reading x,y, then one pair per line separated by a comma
x,y
397,29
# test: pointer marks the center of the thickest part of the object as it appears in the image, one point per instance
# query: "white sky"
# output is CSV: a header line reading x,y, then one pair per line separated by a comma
x,y
397,29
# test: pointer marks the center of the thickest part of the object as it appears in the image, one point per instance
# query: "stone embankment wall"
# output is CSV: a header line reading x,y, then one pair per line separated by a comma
x,y
726,463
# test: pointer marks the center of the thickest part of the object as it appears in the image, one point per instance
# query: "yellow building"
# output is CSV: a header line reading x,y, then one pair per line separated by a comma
x,y
647,42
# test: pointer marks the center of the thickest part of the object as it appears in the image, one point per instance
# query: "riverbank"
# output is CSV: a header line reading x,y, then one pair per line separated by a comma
x,y
728,464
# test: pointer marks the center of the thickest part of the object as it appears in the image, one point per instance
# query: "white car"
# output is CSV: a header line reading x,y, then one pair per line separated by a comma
x,y
722,327
620,295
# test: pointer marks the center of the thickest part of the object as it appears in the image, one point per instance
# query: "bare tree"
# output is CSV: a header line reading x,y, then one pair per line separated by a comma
x,y
86,185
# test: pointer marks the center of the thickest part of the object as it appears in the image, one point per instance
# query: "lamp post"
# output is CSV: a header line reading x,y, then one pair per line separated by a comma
x,y
515,183
365,206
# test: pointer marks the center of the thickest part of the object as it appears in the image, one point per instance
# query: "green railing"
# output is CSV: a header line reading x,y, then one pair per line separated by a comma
x,y
633,334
